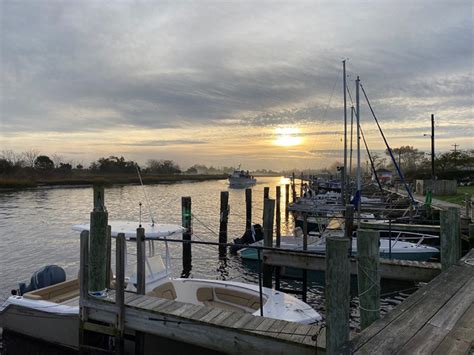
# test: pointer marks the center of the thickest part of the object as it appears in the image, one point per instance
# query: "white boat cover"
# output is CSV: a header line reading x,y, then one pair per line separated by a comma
x,y
129,228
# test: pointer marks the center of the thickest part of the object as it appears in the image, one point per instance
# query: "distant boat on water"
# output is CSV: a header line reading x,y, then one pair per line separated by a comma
x,y
241,178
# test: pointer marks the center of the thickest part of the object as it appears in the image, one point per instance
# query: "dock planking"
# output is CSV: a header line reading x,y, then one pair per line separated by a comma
x,y
210,327
437,319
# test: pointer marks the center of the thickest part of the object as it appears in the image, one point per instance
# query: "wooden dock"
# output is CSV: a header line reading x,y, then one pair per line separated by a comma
x,y
203,326
437,319
390,269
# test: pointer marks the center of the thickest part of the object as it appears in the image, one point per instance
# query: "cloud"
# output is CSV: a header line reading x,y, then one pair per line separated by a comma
x,y
163,143
91,66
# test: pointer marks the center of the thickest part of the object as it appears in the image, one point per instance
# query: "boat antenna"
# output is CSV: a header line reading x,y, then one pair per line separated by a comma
x,y
146,197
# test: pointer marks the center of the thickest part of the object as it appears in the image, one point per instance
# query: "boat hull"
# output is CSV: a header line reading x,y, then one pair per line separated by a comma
x,y
58,329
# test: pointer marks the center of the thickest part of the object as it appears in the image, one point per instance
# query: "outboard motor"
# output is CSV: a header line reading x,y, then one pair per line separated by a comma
x,y
250,236
46,276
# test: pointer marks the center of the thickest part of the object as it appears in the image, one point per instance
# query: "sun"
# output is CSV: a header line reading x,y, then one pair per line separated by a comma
x,y
287,136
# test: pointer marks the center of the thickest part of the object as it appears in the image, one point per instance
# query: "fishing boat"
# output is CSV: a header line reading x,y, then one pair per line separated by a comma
x,y
48,307
241,178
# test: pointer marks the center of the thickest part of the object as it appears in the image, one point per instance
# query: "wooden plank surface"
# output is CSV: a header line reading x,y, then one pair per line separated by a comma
x,y
461,338
398,332
436,318
407,270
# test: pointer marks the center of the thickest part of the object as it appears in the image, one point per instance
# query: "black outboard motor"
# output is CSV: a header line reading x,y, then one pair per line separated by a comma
x,y
46,276
250,236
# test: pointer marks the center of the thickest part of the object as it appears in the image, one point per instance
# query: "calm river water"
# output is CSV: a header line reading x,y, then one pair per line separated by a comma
x,y
35,227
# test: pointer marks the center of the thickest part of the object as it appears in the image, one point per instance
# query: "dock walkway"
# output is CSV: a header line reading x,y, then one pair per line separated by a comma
x,y
437,319
208,327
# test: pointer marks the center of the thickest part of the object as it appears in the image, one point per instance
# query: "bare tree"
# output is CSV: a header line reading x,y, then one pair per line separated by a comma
x,y
30,156
16,159
57,160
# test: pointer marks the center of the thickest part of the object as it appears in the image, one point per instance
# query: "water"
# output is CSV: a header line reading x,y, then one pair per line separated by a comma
x,y
35,228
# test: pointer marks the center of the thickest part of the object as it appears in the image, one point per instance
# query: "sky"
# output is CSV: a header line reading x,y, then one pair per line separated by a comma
x,y
257,83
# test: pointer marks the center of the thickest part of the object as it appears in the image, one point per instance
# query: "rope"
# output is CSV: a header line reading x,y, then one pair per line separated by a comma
x,y
370,158
204,225
389,149
374,284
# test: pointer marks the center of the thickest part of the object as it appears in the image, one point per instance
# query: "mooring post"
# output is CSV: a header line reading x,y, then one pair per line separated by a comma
x,y
98,244
268,217
108,267
119,290
471,235
287,199
293,187
266,192
266,195
337,293
278,232
141,259
224,217
186,217
467,204
450,230
349,225
248,209
278,215
305,247
141,256
368,276
83,285
301,185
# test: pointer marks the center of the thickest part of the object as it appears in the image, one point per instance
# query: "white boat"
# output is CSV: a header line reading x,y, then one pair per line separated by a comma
x,y
395,248
241,178
51,313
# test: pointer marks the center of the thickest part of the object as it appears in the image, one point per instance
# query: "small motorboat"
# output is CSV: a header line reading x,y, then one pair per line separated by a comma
x,y
48,307
394,248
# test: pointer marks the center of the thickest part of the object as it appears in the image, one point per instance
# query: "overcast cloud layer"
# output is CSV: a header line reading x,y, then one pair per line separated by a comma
x,y
90,66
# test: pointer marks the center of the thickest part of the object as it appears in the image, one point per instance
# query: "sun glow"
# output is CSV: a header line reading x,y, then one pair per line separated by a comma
x,y
287,137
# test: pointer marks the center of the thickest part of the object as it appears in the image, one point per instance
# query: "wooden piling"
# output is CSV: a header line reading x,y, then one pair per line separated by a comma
x,y
83,285
349,225
141,259
248,209
98,243
301,185
471,235
293,187
450,225
305,247
224,217
186,217
141,256
287,199
337,293
108,266
119,291
278,232
266,192
268,217
278,215
368,276
99,197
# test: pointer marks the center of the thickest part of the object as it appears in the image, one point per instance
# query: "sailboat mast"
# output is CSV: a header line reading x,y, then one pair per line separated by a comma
x,y
344,172
349,173
358,147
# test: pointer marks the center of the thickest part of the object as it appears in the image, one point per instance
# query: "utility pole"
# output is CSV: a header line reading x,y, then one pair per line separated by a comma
x,y
344,171
433,176
455,146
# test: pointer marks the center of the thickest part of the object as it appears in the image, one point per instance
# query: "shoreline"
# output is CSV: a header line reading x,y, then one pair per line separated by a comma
x,y
19,184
